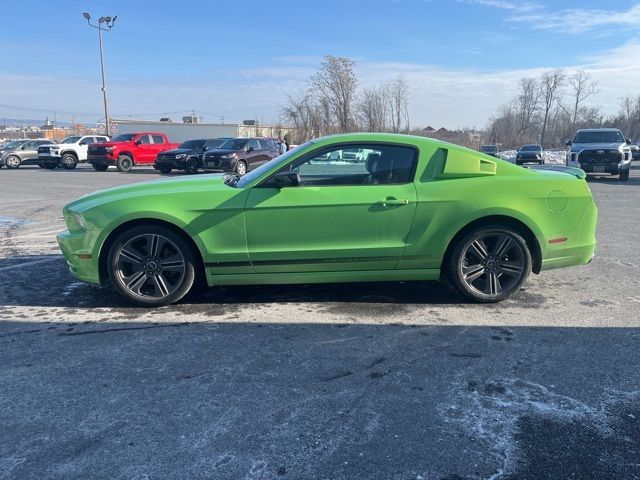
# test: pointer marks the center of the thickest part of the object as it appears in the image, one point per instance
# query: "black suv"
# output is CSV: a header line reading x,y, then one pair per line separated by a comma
x,y
241,155
187,157
530,154
492,150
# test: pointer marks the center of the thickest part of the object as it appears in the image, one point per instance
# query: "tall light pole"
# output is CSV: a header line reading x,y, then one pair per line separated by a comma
x,y
108,25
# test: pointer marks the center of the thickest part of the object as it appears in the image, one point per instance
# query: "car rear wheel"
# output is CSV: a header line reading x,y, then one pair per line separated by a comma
x,y
99,167
624,175
489,264
241,167
12,161
151,266
69,161
124,163
191,166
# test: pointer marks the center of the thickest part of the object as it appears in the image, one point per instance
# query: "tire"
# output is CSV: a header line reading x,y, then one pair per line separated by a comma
x,y
99,167
166,170
149,280
69,161
124,163
12,161
624,175
191,166
502,263
241,167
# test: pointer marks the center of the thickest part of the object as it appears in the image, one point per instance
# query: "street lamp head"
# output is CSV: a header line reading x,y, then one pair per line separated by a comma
x,y
87,16
102,20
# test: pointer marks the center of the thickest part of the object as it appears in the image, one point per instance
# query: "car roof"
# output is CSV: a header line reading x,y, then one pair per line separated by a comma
x,y
599,130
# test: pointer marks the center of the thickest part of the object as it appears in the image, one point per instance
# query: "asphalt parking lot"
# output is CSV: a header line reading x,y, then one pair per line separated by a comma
x,y
365,381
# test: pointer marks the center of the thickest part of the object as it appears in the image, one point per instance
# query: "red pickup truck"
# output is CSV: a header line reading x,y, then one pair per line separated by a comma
x,y
127,150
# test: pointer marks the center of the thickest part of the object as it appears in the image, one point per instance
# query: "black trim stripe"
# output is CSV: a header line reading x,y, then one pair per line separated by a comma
x,y
298,261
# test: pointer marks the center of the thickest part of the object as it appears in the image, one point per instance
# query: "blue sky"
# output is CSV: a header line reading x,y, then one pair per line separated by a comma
x,y
461,58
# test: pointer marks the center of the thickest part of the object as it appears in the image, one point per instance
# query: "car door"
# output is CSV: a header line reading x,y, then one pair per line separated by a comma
x,y
263,155
159,145
252,155
145,151
83,146
342,216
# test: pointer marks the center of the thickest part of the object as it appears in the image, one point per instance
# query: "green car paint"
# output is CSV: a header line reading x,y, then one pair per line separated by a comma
x,y
249,234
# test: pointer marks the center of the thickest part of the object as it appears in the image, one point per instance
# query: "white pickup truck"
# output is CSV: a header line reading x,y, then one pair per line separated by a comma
x,y
69,152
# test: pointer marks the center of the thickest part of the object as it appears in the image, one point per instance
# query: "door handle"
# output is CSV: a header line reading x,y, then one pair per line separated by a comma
x,y
392,201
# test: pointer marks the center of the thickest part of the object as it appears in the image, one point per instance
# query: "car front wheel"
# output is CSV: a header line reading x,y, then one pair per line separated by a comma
x,y
151,266
241,167
124,163
191,166
69,161
12,161
489,264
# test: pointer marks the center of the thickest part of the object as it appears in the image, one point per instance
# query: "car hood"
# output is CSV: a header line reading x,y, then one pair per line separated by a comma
x,y
112,144
200,183
576,147
176,151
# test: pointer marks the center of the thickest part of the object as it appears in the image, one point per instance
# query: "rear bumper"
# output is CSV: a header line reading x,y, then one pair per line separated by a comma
x,y
578,249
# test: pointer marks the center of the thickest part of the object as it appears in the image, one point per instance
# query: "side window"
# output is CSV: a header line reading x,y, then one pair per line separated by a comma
x,y
86,140
101,139
253,143
30,145
144,140
158,139
358,165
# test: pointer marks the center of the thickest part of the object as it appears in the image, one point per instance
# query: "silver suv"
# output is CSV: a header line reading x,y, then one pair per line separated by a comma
x,y
22,154
600,150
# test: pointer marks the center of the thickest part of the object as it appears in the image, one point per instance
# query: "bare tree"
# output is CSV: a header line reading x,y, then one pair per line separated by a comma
x,y
336,82
551,84
372,109
528,106
397,97
582,88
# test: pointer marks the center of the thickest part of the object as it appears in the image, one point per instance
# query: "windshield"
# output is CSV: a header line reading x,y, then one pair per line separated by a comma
x,y
611,136
124,137
270,165
488,148
531,148
235,144
192,144
71,140
14,144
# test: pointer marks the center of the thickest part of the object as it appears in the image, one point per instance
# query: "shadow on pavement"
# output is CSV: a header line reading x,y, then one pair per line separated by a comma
x,y
297,400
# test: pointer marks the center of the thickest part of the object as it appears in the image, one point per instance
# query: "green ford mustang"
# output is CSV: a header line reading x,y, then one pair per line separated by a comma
x,y
345,208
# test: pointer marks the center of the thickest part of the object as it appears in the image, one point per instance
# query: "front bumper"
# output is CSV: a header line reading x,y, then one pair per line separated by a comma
x,y
101,160
220,164
49,159
169,163
531,159
78,251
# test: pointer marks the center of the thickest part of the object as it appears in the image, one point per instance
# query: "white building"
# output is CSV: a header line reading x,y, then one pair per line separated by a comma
x,y
179,132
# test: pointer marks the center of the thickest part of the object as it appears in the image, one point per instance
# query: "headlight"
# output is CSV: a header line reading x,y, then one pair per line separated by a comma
x,y
78,220
181,156
229,155
109,149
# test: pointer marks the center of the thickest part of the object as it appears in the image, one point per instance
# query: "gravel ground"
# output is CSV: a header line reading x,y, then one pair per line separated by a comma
x,y
385,381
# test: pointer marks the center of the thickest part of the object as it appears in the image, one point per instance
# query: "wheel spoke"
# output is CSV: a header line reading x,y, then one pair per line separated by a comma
x,y
502,246
479,249
472,272
160,285
174,263
512,269
135,281
130,255
492,286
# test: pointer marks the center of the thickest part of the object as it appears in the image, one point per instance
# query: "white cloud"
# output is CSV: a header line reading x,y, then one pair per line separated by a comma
x,y
451,97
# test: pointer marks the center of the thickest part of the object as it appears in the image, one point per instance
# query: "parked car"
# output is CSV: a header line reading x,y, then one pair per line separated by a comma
x,y
188,156
530,154
491,150
11,145
22,154
240,155
127,150
600,150
416,209
69,152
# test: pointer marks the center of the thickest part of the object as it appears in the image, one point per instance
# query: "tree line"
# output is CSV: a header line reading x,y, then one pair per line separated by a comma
x,y
334,102
549,109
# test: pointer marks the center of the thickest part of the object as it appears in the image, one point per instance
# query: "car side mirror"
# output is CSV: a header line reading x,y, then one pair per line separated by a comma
x,y
137,142
568,143
250,149
628,140
283,180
